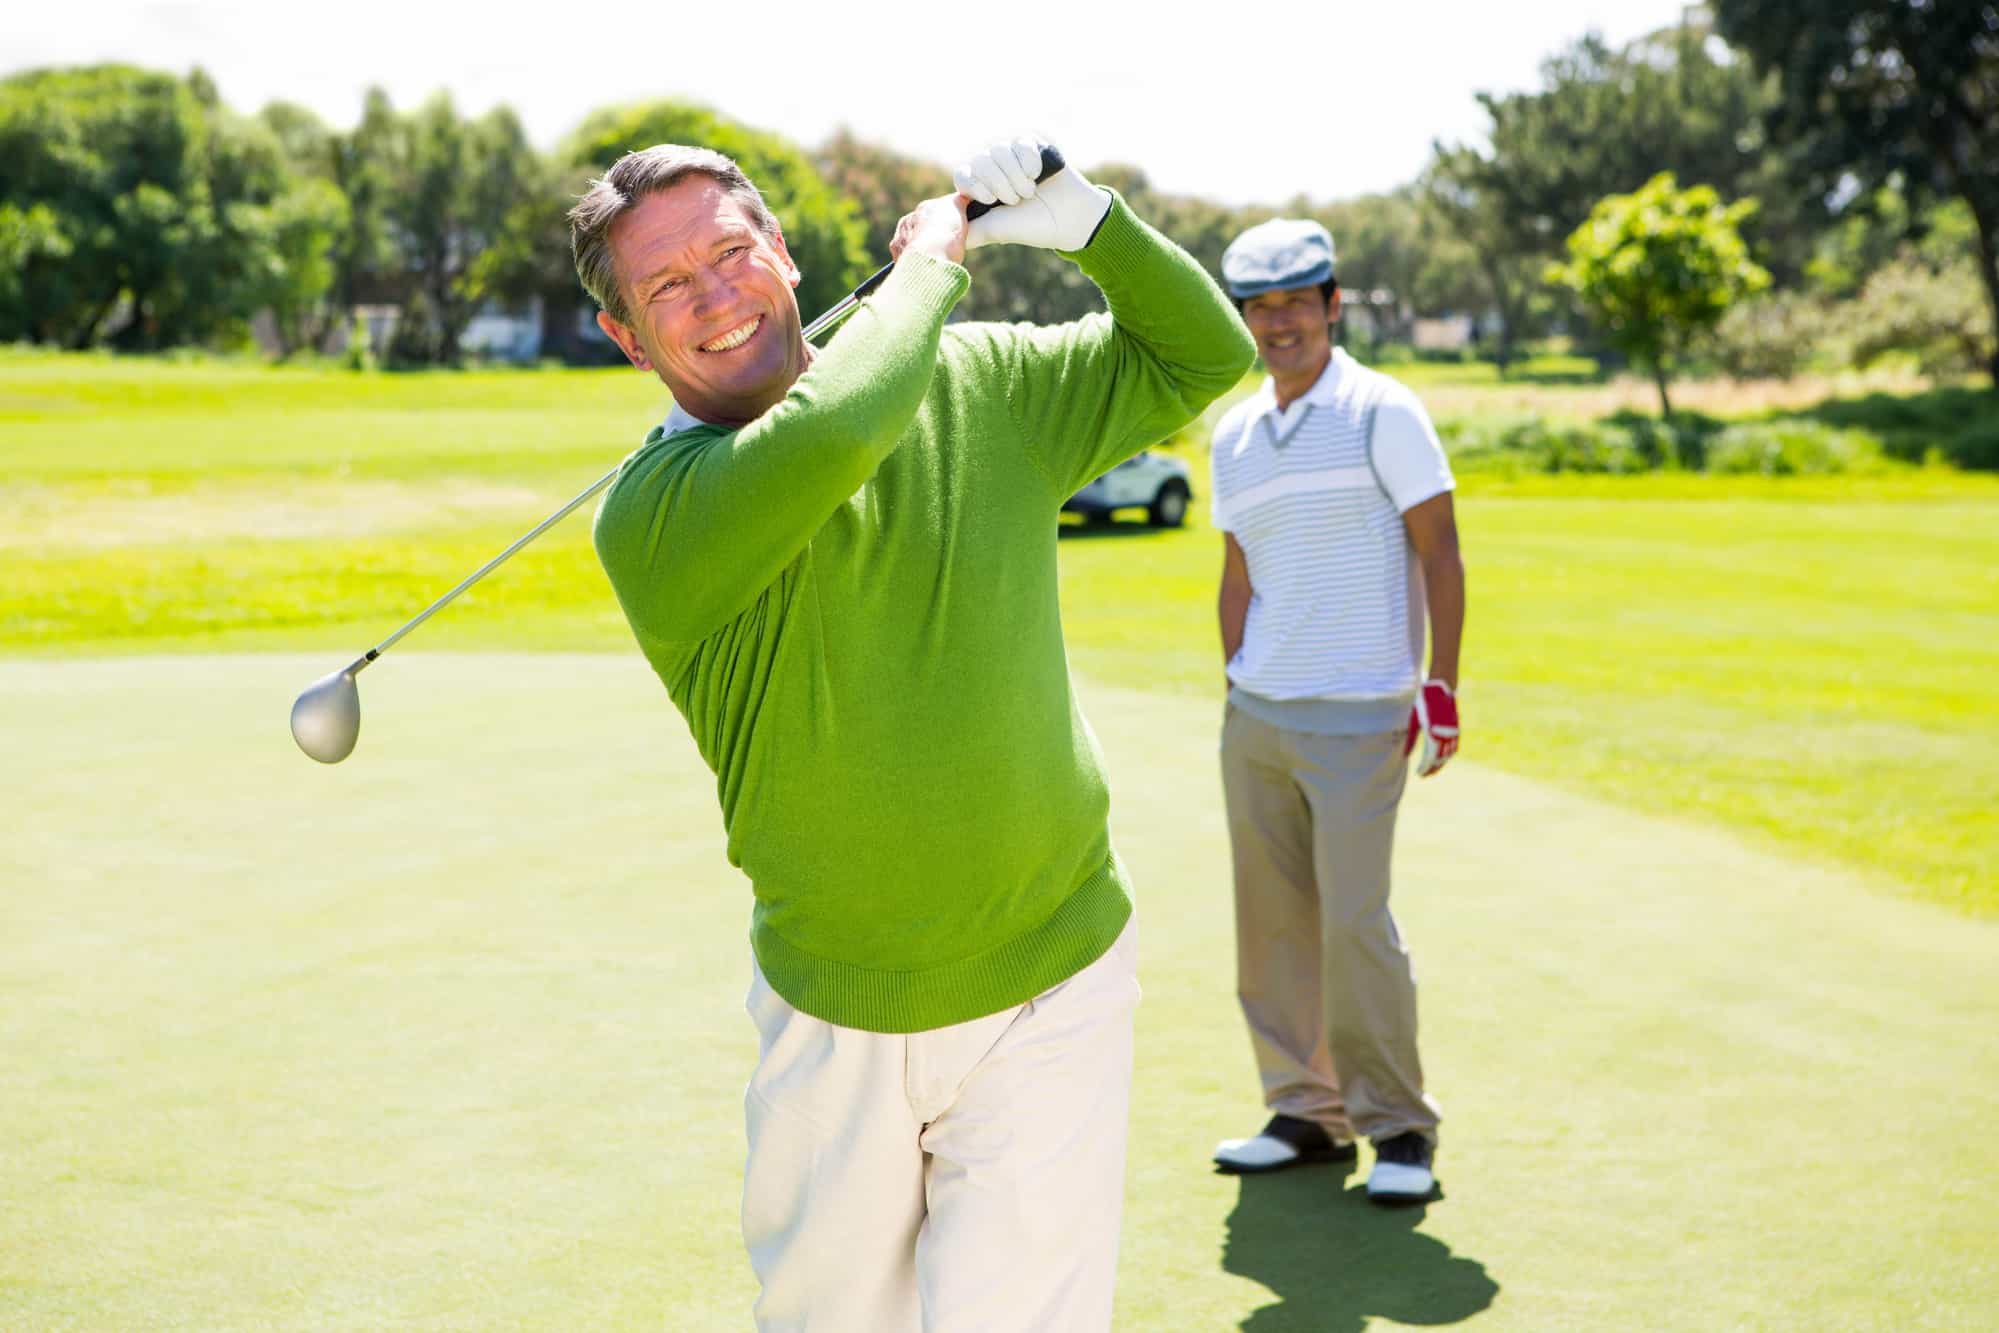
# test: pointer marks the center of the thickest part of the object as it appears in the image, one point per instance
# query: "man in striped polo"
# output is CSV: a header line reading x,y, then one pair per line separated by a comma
x,y
1333,497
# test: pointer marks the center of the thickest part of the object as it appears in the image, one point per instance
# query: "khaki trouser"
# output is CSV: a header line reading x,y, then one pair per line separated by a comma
x,y
1324,978
969,1179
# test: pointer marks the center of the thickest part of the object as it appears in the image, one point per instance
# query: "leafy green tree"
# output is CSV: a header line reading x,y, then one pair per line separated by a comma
x,y
822,231
1464,193
455,182
413,344
1605,120
1881,91
94,166
310,148
31,242
1394,255
364,168
1933,310
1774,335
529,260
1659,267
299,238
882,183
136,208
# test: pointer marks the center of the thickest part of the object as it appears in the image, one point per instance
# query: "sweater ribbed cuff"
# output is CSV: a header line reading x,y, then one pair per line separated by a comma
x,y
926,280
1120,247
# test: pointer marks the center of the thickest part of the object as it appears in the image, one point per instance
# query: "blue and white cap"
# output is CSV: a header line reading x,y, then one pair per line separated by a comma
x,y
1274,255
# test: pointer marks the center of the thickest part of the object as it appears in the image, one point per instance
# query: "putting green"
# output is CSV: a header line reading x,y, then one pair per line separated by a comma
x,y
449,1036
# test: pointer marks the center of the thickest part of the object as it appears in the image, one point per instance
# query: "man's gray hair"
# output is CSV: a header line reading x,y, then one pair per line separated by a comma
x,y
631,178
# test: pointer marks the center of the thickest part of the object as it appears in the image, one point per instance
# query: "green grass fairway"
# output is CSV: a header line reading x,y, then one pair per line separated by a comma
x,y
1812,668
1808,660
450,1037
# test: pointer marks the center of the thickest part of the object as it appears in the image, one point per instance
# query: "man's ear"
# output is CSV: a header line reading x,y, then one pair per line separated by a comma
x,y
791,273
1333,307
627,341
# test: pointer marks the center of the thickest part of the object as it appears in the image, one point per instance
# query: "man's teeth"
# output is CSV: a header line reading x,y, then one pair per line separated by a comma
x,y
734,338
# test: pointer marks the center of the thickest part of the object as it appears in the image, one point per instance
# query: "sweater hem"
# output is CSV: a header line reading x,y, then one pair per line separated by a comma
x,y
1075,935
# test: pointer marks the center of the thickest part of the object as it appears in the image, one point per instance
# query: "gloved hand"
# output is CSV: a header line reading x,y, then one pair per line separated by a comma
x,y
1435,719
1061,213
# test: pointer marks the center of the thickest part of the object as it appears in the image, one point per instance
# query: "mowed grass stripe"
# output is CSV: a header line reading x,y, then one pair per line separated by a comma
x,y
450,1036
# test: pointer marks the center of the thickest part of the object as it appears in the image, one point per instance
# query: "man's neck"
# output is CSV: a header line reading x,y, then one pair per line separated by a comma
x,y
735,416
1291,388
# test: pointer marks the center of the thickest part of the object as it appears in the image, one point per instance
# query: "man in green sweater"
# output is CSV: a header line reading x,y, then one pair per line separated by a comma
x,y
841,563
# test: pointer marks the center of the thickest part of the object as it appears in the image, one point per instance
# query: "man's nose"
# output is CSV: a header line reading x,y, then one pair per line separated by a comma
x,y
712,290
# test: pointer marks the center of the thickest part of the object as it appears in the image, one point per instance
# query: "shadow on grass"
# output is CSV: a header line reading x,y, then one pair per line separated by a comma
x,y
1336,1261
1960,422
1085,531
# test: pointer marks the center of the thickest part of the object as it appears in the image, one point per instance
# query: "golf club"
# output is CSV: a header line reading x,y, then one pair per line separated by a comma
x,y
326,716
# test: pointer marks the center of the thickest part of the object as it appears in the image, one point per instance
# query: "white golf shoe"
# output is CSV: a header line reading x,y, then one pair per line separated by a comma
x,y
1285,1141
1402,1171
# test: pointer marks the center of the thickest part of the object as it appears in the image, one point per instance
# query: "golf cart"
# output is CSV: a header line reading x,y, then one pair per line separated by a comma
x,y
1153,480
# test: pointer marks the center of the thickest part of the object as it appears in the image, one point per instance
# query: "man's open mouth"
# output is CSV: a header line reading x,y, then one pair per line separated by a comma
x,y
735,337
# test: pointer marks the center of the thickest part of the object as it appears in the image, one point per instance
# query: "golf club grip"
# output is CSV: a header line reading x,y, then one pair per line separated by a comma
x,y
1051,162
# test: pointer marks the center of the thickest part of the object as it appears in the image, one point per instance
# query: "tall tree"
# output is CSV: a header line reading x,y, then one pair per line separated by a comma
x,y
1604,121
456,182
135,207
1879,91
97,166
364,166
821,228
1659,267
1465,193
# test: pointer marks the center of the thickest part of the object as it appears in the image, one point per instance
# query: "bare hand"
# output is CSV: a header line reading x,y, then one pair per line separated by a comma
x,y
935,227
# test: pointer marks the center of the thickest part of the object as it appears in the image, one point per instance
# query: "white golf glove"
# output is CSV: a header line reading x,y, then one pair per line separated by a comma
x,y
1060,213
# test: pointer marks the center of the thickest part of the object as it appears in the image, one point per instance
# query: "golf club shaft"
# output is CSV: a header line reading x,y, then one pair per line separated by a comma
x,y
1051,162
812,330
487,568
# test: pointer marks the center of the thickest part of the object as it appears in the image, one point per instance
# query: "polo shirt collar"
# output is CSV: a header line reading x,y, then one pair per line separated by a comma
x,y
1325,392
680,419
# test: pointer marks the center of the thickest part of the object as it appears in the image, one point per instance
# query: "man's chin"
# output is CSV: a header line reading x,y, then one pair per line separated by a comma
x,y
742,399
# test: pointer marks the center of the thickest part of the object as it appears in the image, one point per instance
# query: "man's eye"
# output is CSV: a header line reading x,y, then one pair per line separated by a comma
x,y
735,250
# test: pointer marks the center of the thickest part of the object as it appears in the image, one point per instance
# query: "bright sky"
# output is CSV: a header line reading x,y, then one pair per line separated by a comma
x,y
1251,102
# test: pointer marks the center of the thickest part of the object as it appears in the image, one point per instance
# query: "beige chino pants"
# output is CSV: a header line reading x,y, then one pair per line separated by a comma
x,y
1321,970
968,1179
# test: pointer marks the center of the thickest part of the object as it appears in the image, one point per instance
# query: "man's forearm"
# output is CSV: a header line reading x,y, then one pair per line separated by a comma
x,y
740,508
1091,393
1233,606
1444,589
1166,303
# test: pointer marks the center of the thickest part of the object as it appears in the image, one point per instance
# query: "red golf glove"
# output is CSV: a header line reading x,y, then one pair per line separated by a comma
x,y
1435,719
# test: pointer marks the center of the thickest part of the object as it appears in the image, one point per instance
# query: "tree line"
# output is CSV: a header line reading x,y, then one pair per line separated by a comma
x,y
1850,150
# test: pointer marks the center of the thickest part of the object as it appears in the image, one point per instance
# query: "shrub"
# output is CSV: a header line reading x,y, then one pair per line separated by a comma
x,y
360,353
1771,337
1957,423
1791,449
1976,446
414,343
1630,442
1938,314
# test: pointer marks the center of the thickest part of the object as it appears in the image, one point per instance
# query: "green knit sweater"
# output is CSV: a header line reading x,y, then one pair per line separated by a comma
x,y
852,600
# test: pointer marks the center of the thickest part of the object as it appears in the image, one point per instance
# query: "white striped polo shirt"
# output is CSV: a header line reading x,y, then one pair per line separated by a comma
x,y
1314,494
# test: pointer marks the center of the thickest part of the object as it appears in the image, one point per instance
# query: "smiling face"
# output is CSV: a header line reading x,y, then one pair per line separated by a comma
x,y
1293,332
712,309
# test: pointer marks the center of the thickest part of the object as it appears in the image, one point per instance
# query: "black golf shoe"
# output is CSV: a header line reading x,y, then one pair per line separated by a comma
x,y
1286,1141
1402,1172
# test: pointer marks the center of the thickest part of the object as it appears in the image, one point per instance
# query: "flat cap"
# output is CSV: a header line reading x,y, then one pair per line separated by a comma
x,y
1273,255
